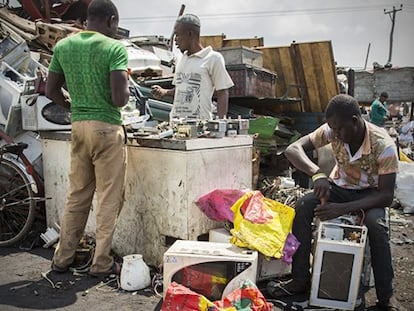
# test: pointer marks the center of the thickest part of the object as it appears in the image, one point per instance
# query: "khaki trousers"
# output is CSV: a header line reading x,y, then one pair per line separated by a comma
x,y
98,163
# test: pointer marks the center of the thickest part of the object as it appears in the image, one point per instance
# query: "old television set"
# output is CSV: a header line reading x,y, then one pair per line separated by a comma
x,y
337,265
211,269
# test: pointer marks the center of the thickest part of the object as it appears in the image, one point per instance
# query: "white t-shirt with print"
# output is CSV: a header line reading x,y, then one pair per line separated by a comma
x,y
195,79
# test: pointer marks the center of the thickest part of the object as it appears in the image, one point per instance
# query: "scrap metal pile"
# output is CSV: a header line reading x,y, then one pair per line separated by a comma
x,y
283,189
42,23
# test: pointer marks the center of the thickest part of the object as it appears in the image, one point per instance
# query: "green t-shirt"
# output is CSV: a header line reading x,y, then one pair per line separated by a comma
x,y
378,112
86,60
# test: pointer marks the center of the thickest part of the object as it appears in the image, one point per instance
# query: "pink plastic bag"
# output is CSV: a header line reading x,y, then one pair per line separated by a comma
x,y
217,204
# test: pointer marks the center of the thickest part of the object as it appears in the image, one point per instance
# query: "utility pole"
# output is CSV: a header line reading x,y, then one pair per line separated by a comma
x,y
392,16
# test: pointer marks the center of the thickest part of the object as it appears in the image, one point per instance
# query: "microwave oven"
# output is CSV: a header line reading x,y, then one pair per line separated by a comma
x,y
210,269
41,114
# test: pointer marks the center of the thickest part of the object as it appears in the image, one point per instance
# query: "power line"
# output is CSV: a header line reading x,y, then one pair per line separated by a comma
x,y
317,11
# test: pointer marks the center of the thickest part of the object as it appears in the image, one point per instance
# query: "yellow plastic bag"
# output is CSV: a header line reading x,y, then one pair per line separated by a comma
x,y
261,224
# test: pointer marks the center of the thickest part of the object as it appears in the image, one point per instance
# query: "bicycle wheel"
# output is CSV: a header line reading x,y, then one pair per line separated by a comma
x,y
17,203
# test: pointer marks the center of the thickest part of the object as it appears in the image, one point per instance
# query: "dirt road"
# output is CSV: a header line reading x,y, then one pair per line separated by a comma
x,y
22,286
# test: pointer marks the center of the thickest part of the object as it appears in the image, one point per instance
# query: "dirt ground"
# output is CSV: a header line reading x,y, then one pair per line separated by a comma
x,y
22,286
402,246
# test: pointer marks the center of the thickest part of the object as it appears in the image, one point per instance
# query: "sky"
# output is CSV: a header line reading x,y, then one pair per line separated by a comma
x,y
356,28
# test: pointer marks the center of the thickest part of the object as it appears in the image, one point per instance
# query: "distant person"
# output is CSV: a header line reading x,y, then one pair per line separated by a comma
x,y
94,67
379,111
199,73
362,182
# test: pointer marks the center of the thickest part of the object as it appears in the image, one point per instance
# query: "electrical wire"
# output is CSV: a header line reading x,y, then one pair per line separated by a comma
x,y
254,14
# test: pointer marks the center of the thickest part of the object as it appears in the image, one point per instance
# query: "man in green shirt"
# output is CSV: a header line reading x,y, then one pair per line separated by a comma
x,y
93,66
379,111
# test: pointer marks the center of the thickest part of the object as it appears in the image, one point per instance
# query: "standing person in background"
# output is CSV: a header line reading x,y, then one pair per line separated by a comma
x,y
93,66
362,182
199,72
379,110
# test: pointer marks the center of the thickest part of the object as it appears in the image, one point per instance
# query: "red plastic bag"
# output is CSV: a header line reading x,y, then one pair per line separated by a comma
x,y
246,298
179,297
217,204
203,281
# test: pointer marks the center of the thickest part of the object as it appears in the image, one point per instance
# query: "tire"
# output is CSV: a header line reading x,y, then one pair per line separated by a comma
x,y
17,203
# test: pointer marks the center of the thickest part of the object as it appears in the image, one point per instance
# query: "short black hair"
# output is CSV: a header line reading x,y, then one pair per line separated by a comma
x,y
102,9
384,94
342,106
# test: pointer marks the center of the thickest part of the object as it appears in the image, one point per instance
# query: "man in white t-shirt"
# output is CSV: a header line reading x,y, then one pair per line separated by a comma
x,y
199,73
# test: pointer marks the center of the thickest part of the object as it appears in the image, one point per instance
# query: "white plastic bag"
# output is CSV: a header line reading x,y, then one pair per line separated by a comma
x,y
405,185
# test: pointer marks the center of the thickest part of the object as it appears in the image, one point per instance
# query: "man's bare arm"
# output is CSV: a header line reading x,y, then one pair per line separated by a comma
x,y
55,91
119,88
222,103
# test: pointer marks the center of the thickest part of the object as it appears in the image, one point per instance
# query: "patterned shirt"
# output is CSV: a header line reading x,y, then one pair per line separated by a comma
x,y
86,60
376,156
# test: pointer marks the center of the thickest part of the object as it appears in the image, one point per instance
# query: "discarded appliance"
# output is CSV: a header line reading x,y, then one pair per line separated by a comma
x,y
142,62
41,114
267,268
217,128
337,265
211,269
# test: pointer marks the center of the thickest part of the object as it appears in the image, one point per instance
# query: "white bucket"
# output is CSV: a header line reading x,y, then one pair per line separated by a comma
x,y
135,274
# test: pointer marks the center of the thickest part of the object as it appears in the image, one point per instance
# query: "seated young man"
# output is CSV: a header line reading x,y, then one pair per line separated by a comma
x,y
362,181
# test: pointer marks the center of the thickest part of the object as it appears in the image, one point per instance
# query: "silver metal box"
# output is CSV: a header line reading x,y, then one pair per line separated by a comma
x,y
242,55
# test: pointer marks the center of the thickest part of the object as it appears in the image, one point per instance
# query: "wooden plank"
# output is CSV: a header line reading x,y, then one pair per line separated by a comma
x,y
287,65
316,69
248,42
50,34
278,59
16,32
317,77
215,41
328,73
17,21
300,74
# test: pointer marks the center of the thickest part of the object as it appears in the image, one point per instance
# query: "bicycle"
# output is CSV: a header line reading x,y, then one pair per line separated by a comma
x,y
21,190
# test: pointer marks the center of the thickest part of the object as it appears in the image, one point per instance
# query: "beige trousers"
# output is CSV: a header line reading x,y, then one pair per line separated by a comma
x,y
98,163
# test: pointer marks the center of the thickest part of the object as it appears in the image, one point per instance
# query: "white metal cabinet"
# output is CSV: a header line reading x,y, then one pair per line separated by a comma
x,y
162,186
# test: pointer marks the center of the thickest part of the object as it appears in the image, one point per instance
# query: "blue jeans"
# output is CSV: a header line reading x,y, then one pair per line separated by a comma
x,y
377,233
